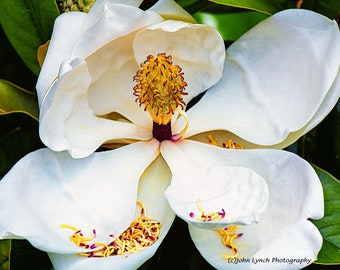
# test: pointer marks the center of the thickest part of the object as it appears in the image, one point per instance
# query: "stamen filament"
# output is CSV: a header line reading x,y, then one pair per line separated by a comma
x,y
228,145
179,136
142,232
228,236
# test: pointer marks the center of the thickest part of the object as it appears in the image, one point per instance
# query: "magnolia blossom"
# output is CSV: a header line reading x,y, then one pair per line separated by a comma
x,y
121,78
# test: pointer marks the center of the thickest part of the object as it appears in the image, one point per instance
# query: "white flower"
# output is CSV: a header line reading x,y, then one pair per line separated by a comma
x,y
275,84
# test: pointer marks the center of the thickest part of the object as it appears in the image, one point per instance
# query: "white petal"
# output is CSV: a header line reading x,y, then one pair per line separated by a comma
x,y
151,187
197,187
67,122
111,21
198,49
74,31
170,10
330,100
112,69
46,189
66,31
283,230
277,78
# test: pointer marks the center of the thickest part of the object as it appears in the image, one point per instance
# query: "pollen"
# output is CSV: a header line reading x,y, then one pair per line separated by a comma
x,y
160,87
228,236
141,233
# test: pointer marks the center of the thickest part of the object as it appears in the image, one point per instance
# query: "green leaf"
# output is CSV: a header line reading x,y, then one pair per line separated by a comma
x,y
16,99
5,249
231,25
264,6
329,224
28,24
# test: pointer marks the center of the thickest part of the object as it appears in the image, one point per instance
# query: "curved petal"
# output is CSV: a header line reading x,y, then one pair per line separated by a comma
x,y
152,185
283,230
67,122
98,192
201,58
237,194
110,21
170,10
276,79
98,5
331,100
60,48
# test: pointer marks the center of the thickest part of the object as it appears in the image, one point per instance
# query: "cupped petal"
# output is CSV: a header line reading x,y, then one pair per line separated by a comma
x,y
46,189
296,248
277,78
198,49
170,10
67,122
231,194
107,21
283,231
155,179
112,69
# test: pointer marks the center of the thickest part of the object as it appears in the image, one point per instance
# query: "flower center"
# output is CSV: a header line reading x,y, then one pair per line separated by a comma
x,y
160,89
142,232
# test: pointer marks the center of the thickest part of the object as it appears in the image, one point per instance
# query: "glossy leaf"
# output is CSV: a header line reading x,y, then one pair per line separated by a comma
x,y
231,25
16,99
28,24
329,225
264,6
5,249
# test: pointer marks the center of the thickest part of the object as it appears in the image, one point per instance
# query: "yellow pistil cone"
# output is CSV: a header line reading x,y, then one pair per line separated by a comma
x,y
160,87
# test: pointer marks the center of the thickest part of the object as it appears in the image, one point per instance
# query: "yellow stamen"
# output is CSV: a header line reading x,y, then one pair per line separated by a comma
x,y
231,145
228,145
213,141
160,87
228,236
142,232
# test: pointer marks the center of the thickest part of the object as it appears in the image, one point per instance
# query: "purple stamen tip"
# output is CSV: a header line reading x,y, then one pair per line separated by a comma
x,y
222,214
